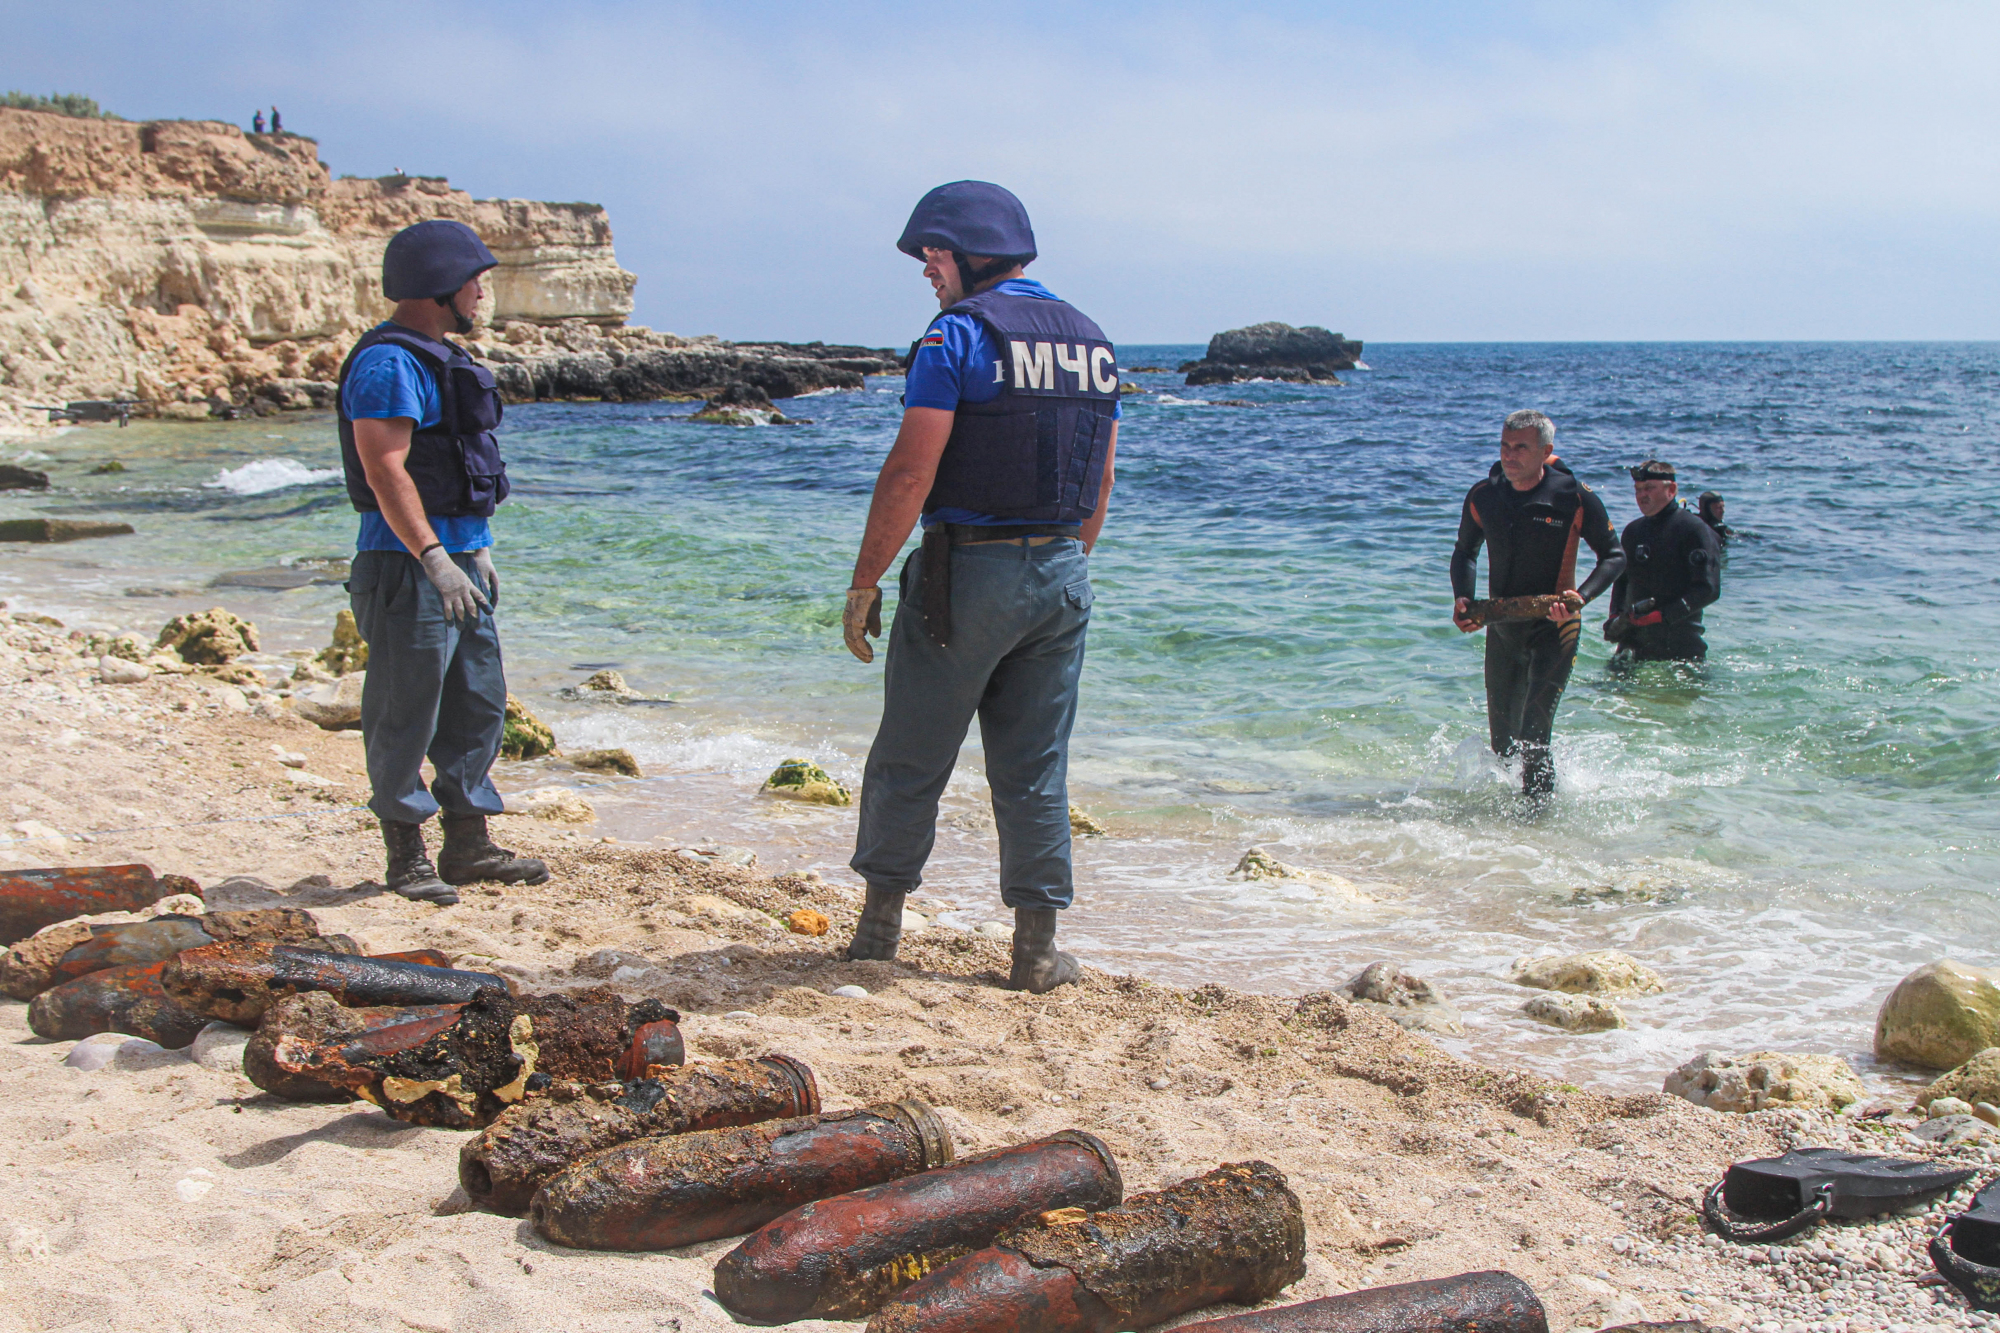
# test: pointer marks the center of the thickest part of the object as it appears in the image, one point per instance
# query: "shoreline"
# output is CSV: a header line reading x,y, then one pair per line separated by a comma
x,y
1411,1162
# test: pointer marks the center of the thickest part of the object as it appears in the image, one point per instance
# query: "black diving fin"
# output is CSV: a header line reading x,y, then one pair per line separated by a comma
x,y
1966,1250
1771,1198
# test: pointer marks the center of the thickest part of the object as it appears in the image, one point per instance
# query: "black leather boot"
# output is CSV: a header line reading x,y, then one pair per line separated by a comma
x,y
410,870
468,855
1040,967
881,928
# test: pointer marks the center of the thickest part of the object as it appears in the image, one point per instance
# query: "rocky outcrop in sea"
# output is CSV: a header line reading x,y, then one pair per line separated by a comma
x,y
1274,351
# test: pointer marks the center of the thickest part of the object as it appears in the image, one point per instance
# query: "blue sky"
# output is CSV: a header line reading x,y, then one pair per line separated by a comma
x,y
1422,171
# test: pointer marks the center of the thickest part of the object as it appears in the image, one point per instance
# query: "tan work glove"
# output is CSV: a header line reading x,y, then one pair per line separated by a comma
x,y
862,618
462,598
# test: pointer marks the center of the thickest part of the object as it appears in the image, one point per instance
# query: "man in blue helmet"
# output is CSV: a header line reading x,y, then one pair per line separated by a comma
x,y
417,417
1005,452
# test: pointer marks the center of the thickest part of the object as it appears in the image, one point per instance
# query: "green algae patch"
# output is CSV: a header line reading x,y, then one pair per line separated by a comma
x,y
524,736
803,780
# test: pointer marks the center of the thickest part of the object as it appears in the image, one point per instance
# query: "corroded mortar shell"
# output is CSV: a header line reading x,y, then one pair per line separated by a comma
x,y
76,950
31,899
238,980
116,999
1488,1302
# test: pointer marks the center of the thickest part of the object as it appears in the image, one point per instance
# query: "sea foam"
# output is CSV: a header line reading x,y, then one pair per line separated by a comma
x,y
270,474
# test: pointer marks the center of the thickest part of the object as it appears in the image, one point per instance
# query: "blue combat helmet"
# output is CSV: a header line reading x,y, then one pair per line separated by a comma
x,y
432,259
970,218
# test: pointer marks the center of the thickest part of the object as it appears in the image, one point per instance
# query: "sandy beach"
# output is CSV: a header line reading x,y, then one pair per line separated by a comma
x,y
156,1192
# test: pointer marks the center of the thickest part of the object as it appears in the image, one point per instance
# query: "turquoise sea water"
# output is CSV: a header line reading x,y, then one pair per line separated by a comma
x,y
1783,832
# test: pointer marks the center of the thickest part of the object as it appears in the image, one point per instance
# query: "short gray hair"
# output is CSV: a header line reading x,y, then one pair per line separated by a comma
x,y
1529,419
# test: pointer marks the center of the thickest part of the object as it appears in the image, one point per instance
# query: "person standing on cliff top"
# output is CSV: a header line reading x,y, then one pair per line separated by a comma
x,y
1009,425
257,122
277,125
1532,514
417,417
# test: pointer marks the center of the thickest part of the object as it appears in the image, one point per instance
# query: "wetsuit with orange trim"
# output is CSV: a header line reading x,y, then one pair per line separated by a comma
x,y
1532,538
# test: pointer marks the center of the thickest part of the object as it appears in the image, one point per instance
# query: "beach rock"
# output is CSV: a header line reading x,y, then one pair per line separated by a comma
x,y
118,671
1940,1016
849,992
59,530
333,706
125,647
94,1052
208,638
1977,1080
1274,351
1943,1106
608,686
1950,1130
803,780
523,735
806,921
1260,864
1083,826
557,804
719,854
618,761
1574,1013
219,1046
1765,1079
1601,972
1410,1000
743,405
13,477
347,652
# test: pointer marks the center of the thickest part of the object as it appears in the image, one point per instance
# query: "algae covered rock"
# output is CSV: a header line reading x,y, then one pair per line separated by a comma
x,y
1601,972
608,686
347,653
1082,825
803,780
523,735
1410,1000
1975,1081
1260,864
618,761
1765,1079
1940,1016
208,638
1574,1013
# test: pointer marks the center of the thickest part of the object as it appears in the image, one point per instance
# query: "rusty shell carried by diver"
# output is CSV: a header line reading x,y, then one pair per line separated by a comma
x,y
319,1018
656,1194
238,980
503,1167
78,949
117,999
1235,1234
461,1068
841,1258
31,899
1486,1302
1494,609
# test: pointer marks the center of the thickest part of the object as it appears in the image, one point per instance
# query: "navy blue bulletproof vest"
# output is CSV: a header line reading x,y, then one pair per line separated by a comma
x,y
456,463
1036,452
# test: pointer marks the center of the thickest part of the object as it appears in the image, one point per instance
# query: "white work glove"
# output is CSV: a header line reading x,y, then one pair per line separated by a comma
x,y
462,600
862,617
482,560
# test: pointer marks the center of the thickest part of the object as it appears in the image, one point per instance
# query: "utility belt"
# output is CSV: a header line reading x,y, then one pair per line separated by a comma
x,y
934,598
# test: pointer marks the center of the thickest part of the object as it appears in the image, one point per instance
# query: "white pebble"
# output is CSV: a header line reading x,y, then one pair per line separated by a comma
x,y
118,671
1158,1084
998,930
95,1052
744,1015
850,992
219,1046
194,1184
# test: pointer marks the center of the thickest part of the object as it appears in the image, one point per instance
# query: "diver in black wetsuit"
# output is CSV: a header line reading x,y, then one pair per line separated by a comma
x,y
1709,509
1673,568
1533,514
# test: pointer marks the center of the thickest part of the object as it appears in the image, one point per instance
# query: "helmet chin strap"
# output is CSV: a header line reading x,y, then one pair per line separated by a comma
x,y
971,277
460,324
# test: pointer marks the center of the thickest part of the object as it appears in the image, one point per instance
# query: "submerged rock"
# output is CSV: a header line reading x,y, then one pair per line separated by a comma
x,y
608,686
1260,864
208,638
1765,1079
618,761
1410,1000
16,478
558,804
1975,1081
1940,1015
744,405
803,780
59,530
1601,972
347,653
523,735
1274,351
1574,1013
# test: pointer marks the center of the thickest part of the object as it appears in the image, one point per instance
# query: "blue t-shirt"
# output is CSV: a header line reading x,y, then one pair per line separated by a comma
x,y
389,381
959,362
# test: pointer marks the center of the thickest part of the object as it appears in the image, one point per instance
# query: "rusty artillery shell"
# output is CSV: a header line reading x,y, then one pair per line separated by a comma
x,y
461,1070
117,999
318,1018
31,899
78,949
428,957
1490,610
1488,1302
841,1258
1235,1234
503,1167
655,1194
658,1045
238,980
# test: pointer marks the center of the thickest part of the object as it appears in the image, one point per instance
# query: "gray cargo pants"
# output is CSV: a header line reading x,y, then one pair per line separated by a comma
x,y
1019,615
435,690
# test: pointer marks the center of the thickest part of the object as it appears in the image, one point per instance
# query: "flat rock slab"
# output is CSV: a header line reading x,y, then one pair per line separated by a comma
x,y
58,530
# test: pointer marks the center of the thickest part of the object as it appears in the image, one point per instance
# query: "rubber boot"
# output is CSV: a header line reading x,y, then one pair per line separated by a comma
x,y
468,855
881,928
1040,967
410,870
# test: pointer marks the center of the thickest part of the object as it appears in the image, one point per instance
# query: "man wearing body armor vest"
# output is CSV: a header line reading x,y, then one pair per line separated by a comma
x,y
417,417
1533,516
1005,451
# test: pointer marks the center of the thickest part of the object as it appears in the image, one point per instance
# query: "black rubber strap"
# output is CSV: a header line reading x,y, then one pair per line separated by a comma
x,y
1729,1227
428,549
1980,1283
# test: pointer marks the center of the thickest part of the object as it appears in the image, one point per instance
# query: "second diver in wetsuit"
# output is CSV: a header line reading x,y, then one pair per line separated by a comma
x,y
1673,568
1709,509
1532,514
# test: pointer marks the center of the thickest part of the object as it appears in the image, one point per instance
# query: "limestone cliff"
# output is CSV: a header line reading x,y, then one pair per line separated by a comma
x,y
204,271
